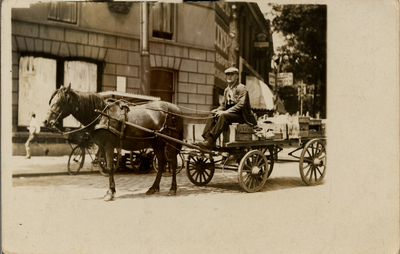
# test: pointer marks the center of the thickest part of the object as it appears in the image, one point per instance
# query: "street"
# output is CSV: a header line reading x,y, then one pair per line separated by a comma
x,y
66,214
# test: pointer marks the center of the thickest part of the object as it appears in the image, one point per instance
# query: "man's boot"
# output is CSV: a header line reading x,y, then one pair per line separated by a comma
x,y
208,143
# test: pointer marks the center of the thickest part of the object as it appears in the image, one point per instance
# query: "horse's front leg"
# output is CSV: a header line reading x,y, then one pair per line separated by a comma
x,y
159,152
173,164
109,153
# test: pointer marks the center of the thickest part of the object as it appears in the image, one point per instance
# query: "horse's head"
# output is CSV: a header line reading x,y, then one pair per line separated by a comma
x,y
59,107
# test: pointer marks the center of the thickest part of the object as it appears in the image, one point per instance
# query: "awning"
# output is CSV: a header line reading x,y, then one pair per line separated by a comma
x,y
261,97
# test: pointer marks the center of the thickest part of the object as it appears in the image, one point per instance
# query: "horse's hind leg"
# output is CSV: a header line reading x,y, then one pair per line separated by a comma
x,y
173,164
159,152
109,153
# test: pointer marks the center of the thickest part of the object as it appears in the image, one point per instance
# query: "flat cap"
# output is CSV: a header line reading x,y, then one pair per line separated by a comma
x,y
232,70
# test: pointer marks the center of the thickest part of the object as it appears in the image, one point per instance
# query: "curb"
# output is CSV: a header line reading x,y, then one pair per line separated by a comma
x,y
52,174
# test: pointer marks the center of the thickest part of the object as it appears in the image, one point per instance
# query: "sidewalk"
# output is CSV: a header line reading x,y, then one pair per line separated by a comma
x,y
46,165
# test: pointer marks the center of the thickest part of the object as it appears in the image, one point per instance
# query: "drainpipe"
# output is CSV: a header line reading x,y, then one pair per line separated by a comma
x,y
144,50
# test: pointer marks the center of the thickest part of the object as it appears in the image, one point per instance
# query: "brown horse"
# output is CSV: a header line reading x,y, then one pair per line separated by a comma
x,y
108,133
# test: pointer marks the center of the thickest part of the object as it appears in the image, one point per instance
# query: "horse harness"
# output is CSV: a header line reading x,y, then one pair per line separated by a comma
x,y
168,127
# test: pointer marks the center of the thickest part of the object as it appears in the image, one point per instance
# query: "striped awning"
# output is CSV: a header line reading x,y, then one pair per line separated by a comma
x,y
261,97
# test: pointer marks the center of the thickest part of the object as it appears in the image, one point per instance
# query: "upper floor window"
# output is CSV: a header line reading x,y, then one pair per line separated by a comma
x,y
163,20
63,11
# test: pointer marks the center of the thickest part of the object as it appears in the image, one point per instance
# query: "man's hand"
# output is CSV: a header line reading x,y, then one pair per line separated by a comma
x,y
219,113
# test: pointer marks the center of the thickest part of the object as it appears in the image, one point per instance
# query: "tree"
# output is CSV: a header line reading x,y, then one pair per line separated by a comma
x,y
304,27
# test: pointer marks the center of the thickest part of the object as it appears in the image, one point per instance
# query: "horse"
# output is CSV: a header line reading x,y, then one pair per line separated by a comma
x,y
108,133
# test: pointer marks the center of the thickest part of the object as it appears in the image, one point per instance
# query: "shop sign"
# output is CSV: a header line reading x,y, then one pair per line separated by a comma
x,y
271,79
284,79
221,51
261,44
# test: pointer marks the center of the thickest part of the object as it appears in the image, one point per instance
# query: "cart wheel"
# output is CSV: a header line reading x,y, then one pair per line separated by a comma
x,y
253,171
269,153
200,170
141,162
180,164
313,162
76,160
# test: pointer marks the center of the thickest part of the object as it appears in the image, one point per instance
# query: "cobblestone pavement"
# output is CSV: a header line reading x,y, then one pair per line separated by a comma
x,y
137,184
66,214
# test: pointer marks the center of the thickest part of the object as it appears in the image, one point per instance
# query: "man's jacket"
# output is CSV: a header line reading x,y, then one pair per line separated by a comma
x,y
241,97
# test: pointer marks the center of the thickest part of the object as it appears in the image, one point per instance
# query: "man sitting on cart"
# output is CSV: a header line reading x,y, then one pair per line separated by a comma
x,y
235,108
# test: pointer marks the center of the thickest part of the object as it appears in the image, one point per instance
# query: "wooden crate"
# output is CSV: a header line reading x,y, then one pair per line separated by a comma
x,y
304,130
315,122
304,134
235,134
244,128
315,134
304,119
243,137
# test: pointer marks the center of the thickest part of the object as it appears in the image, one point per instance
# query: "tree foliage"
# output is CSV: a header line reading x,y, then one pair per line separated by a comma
x,y
305,30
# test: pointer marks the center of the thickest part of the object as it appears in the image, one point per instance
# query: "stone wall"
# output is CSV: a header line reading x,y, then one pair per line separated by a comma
x,y
120,56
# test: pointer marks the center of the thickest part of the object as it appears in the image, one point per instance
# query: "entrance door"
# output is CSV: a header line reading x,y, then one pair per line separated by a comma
x,y
162,85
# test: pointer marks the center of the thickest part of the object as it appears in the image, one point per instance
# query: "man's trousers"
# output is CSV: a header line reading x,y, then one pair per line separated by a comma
x,y
215,126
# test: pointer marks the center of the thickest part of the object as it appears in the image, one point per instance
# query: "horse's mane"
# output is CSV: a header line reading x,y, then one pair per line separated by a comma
x,y
84,104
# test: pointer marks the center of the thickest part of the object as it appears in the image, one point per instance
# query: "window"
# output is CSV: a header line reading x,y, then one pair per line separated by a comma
x,y
162,85
83,77
62,11
163,20
38,79
37,82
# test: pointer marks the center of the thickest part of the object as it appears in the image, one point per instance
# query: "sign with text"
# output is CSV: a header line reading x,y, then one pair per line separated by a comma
x,y
221,42
271,79
261,44
284,79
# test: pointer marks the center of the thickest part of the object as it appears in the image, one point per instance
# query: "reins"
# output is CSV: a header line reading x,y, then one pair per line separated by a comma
x,y
83,127
175,114
134,104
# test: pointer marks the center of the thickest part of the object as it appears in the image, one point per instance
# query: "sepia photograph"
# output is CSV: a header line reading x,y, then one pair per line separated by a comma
x,y
200,126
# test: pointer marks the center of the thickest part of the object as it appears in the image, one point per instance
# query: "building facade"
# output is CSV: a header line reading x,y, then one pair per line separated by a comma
x,y
104,46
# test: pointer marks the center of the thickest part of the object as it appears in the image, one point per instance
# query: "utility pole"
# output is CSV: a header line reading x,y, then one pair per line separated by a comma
x,y
144,49
301,92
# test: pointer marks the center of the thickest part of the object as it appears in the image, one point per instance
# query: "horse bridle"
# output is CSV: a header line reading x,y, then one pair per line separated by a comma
x,y
55,121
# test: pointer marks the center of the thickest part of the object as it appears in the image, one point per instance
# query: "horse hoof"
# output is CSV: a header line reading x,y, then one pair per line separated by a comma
x,y
172,193
108,197
151,191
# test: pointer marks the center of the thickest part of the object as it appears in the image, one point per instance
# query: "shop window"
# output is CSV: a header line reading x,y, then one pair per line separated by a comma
x,y
162,85
63,11
83,77
37,80
163,20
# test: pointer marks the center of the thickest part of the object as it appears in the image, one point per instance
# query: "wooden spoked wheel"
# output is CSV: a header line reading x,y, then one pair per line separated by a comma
x,y
142,161
253,171
179,166
313,162
200,170
269,153
76,160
